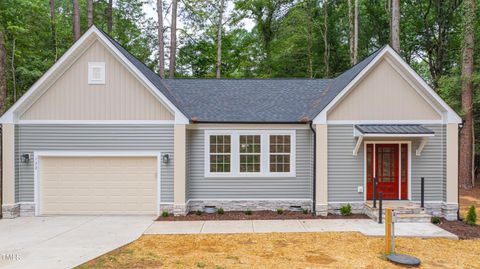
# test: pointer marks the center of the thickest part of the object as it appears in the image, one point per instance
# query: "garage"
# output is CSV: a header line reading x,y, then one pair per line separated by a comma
x,y
97,185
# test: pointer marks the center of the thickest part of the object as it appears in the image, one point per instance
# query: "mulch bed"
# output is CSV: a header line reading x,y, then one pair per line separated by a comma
x,y
256,215
461,229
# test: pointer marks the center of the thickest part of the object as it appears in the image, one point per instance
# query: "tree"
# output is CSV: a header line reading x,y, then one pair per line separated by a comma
x,y
89,13
53,29
219,37
173,40
466,171
3,67
161,52
353,27
395,26
76,20
324,31
110,16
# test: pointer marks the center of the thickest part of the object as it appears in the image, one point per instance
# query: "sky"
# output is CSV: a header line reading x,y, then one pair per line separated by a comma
x,y
151,12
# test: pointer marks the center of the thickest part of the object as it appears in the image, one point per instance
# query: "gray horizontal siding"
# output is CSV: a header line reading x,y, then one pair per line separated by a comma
x,y
431,166
200,187
30,138
346,172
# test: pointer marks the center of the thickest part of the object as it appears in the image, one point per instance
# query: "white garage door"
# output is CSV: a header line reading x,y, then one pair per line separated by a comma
x,y
98,185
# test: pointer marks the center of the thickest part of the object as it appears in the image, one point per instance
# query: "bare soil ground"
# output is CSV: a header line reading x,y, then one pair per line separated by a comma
x,y
256,215
284,250
468,198
461,229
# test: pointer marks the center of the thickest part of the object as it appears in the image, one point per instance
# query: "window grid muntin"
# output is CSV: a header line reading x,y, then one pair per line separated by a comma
x,y
250,153
280,153
220,149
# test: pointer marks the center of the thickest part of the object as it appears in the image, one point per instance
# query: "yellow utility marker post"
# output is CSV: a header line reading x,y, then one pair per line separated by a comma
x,y
390,219
388,231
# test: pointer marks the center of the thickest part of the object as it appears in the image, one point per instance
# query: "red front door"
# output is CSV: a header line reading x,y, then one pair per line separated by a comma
x,y
383,163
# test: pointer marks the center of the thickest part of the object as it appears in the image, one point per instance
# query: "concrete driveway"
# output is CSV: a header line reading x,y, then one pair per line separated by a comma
x,y
65,241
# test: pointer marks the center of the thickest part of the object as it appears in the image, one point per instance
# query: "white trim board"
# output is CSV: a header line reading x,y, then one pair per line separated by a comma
x,y
11,116
101,122
450,116
60,153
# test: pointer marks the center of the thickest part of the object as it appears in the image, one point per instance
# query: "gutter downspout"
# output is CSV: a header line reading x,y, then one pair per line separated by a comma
x,y
314,176
458,153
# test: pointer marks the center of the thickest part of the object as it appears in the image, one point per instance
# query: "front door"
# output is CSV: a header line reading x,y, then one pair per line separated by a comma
x,y
383,162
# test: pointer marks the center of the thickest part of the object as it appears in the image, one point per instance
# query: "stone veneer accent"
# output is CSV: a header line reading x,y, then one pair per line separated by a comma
x,y
321,210
449,211
18,210
357,208
254,205
180,209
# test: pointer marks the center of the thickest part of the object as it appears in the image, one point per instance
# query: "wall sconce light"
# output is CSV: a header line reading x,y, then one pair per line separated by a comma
x,y
165,158
25,158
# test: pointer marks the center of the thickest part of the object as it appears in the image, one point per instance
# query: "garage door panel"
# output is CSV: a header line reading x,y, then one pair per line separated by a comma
x,y
98,185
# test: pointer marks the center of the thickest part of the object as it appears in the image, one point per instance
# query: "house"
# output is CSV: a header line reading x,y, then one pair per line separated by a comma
x,y
100,133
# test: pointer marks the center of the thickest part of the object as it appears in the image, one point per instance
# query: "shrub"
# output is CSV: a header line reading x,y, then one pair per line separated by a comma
x,y
346,210
305,211
165,213
201,264
436,220
198,212
471,215
279,211
248,212
220,211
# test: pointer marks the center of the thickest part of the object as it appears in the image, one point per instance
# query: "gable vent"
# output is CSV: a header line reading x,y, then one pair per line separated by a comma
x,y
96,73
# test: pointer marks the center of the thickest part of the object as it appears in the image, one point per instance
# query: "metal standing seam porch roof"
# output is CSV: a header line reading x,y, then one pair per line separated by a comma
x,y
392,129
248,100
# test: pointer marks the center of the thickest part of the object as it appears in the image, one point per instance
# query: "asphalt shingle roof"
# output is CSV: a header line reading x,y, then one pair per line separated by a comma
x,y
249,100
393,129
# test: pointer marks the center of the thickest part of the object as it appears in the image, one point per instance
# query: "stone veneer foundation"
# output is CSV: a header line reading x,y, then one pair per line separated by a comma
x,y
254,205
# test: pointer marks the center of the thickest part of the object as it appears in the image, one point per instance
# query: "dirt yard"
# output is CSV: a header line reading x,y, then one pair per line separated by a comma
x,y
468,198
284,250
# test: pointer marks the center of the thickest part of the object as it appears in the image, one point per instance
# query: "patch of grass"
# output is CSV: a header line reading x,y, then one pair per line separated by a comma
x,y
436,220
305,211
198,212
201,264
220,211
471,215
165,213
248,212
279,211
346,210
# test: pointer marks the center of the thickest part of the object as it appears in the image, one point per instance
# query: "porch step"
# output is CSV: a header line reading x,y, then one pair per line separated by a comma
x,y
406,212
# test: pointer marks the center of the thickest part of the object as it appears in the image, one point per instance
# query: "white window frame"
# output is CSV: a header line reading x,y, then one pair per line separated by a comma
x,y
91,66
264,153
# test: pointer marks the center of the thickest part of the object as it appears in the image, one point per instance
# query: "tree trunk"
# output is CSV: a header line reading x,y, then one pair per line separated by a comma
x,y
309,36
219,38
395,26
76,20
353,28
90,13
3,79
53,26
161,52
14,75
326,53
110,16
466,135
173,40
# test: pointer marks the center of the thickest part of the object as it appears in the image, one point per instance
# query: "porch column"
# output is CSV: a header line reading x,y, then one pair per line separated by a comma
x,y
179,170
322,169
9,208
449,210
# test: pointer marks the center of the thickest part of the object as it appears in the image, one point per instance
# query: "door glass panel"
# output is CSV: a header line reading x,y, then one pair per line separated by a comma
x,y
369,162
404,162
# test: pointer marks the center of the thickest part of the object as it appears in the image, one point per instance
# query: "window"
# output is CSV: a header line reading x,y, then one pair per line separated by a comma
x,y
96,73
220,154
249,153
280,153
